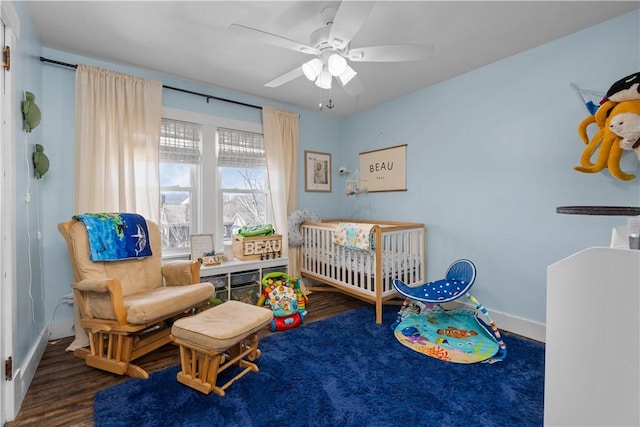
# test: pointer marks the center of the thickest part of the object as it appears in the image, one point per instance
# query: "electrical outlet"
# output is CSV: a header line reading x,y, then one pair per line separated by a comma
x,y
38,235
27,198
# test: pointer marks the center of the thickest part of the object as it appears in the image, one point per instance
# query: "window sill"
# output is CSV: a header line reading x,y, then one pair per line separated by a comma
x,y
228,250
176,256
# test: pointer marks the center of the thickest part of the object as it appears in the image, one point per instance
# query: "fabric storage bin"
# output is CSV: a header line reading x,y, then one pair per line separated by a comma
x,y
221,295
244,278
218,280
247,293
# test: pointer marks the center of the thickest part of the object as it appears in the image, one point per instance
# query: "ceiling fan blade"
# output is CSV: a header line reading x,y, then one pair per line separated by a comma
x,y
271,39
354,87
348,20
391,53
285,78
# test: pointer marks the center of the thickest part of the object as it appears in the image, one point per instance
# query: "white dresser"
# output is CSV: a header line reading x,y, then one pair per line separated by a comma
x,y
592,355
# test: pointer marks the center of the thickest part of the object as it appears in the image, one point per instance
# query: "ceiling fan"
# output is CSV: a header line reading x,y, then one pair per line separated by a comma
x,y
331,47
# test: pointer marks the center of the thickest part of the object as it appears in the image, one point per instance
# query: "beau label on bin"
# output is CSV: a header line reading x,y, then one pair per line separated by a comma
x,y
260,247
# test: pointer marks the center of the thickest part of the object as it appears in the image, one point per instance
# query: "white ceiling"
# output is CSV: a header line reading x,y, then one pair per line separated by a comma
x,y
190,40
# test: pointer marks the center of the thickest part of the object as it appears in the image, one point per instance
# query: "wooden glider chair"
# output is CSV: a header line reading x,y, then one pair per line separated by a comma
x,y
127,307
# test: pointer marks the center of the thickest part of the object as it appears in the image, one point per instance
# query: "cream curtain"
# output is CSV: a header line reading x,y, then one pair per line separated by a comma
x,y
117,149
280,129
117,143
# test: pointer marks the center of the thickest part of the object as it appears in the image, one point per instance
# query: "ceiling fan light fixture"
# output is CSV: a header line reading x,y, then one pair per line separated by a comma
x,y
336,65
324,80
348,74
312,69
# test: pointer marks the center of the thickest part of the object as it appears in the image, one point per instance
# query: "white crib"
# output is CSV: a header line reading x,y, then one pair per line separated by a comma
x,y
398,252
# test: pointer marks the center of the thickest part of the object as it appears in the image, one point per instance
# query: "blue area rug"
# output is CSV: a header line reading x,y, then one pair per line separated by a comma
x,y
343,371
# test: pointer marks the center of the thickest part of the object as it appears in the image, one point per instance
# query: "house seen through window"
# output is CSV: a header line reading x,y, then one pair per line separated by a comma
x,y
213,179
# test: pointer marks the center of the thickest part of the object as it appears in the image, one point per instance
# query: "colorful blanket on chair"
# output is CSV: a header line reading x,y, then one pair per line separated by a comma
x,y
116,236
353,235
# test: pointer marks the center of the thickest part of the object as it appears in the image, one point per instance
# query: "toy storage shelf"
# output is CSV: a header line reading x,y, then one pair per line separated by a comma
x,y
240,280
592,342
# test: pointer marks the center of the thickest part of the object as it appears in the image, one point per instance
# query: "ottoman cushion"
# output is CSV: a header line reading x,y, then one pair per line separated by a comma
x,y
220,327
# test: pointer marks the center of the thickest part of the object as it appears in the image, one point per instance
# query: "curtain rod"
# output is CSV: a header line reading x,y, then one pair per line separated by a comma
x,y
204,95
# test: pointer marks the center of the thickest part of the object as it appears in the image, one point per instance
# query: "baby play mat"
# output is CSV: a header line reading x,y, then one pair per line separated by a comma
x,y
456,335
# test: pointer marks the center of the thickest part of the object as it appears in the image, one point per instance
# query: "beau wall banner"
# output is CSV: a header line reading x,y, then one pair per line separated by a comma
x,y
384,169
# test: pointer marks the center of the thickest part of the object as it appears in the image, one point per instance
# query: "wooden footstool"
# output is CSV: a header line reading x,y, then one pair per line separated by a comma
x,y
217,338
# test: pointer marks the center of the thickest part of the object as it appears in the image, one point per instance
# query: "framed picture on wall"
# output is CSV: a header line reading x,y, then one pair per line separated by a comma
x,y
385,169
317,171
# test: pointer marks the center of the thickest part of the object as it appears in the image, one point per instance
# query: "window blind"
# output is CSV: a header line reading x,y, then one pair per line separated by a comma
x,y
180,141
240,149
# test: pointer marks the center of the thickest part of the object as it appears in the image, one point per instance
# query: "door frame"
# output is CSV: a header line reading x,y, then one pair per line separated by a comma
x,y
10,29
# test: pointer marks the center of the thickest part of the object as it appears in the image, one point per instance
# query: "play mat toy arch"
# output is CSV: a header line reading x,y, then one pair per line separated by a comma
x,y
456,335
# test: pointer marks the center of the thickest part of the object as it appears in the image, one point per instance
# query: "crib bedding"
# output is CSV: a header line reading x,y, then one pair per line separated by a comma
x,y
354,236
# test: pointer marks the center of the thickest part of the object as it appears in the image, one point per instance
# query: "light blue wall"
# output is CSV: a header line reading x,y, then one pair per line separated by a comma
x,y
29,318
491,156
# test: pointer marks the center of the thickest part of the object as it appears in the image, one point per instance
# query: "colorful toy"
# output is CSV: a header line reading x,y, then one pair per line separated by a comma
x,y
617,119
456,335
286,299
287,322
302,297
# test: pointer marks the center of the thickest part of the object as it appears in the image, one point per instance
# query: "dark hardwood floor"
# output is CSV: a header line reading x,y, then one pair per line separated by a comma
x,y
63,388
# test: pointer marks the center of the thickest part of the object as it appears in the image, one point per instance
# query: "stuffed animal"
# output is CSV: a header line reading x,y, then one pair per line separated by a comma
x,y
625,122
40,161
625,89
617,119
30,112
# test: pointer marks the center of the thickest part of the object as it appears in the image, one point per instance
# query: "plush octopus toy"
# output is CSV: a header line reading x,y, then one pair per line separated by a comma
x,y
618,121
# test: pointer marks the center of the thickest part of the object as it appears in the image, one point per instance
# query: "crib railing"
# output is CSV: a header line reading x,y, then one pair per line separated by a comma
x,y
403,255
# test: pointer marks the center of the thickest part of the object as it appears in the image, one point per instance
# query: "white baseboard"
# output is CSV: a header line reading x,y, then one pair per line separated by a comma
x,y
517,325
23,375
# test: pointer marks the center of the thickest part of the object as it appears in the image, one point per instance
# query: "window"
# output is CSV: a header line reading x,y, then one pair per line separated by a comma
x,y
213,178
242,167
179,170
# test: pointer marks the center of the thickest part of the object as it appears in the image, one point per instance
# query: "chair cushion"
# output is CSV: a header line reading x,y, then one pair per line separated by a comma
x,y
156,304
222,326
